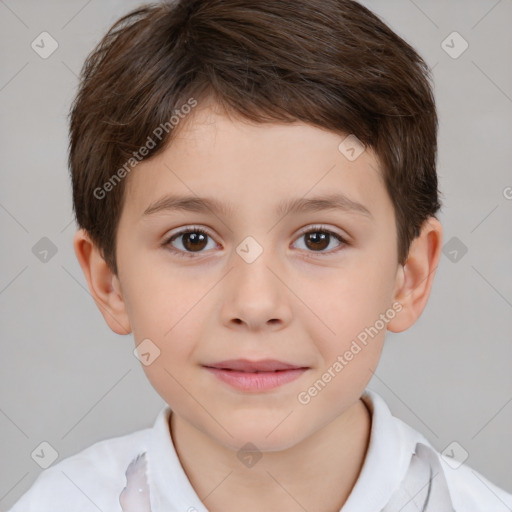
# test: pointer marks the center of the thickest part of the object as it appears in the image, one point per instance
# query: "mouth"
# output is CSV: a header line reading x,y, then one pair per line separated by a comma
x,y
245,365
246,375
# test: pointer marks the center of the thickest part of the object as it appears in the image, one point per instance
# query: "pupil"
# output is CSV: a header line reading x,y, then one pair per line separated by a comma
x,y
318,239
194,240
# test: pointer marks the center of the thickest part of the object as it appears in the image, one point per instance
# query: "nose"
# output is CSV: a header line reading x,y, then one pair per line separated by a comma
x,y
256,296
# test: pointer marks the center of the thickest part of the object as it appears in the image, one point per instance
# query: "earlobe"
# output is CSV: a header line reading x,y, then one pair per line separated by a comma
x,y
415,278
103,284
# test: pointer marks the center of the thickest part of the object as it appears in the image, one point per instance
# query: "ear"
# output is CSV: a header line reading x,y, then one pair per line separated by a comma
x,y
414,279
104,285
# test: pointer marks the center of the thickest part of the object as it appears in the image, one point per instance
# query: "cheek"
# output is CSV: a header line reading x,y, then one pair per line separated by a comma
x,y
352,309
161,300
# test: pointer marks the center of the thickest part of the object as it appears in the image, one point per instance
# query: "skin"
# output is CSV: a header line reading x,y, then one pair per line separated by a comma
x,y
293,303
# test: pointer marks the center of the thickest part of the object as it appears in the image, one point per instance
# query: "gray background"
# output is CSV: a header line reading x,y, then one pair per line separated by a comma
x,y
68,380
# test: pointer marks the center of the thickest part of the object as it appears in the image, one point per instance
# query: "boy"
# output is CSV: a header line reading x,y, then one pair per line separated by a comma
x,y
255,186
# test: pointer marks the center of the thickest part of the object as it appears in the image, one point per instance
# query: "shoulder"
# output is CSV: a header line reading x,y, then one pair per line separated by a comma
x,y
472,492
91,480
469,490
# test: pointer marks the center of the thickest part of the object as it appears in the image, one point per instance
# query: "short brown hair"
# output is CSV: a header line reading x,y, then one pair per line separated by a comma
x,y
330,63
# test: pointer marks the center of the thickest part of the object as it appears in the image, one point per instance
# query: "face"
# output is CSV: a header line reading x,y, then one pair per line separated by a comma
x,y
243,278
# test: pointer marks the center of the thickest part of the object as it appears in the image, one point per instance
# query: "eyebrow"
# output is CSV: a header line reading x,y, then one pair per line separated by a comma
x,y
205,204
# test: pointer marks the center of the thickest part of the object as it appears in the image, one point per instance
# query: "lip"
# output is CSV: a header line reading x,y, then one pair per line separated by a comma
x,y
247,375
246,365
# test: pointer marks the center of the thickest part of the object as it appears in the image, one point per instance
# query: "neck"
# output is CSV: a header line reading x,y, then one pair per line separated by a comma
x,y
316,474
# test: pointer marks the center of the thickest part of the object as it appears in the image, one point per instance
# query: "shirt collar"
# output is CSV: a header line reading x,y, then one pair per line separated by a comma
x,y
384,467
170,489
387,459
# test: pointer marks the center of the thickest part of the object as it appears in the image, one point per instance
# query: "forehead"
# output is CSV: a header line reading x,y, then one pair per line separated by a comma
x,y
256,166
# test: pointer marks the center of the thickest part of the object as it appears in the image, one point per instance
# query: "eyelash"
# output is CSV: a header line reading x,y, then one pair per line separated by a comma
x,y
197,229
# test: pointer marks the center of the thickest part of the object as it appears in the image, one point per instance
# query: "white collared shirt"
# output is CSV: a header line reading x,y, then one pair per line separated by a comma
x,y
93,479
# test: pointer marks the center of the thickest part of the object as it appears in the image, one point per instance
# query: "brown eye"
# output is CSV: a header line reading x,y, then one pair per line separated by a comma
x,y
319,239
192,241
